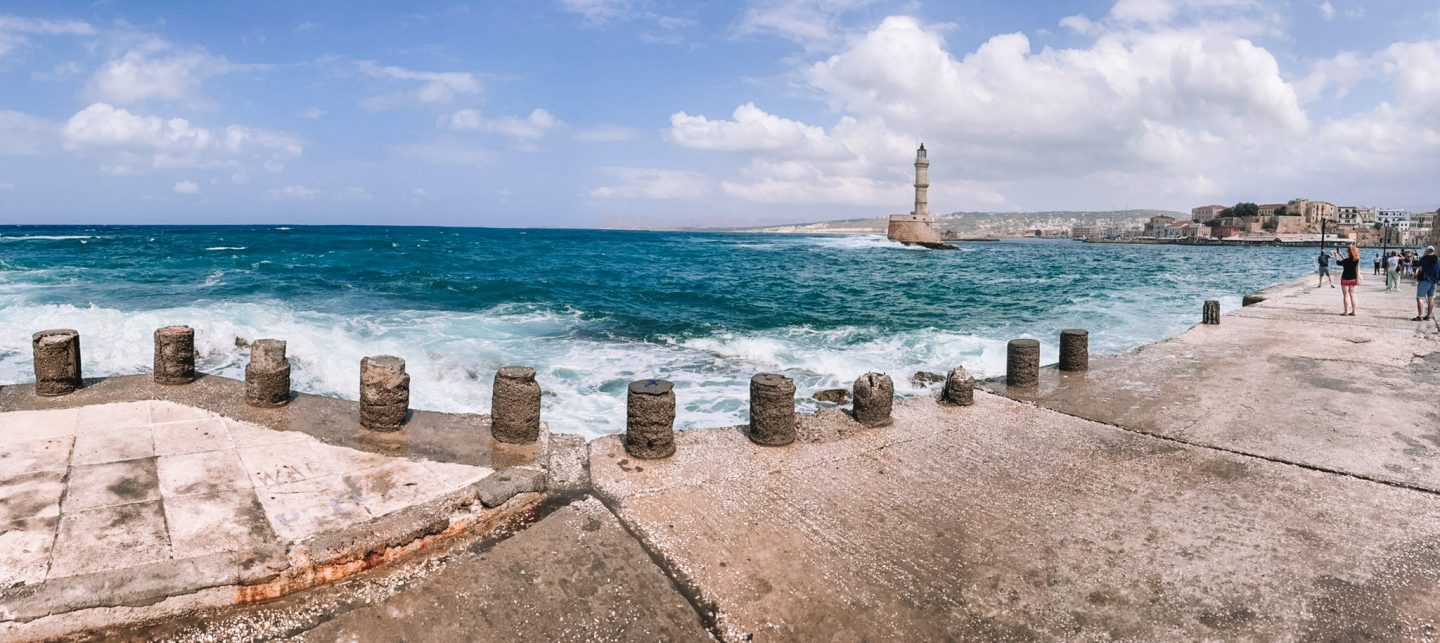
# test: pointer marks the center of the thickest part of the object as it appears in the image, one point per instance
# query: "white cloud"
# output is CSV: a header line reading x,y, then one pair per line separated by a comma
x,y
154,70
187,187
1079,24
293,193
598,12
436,88
14,30
751,129
815,24
654,183
1327,11
172,142
524,130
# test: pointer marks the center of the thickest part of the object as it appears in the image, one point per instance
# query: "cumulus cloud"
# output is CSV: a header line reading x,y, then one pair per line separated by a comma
x,y
14,30
435,88
654,183
187,187
1327,11
751,129
133,139
523,130
814,24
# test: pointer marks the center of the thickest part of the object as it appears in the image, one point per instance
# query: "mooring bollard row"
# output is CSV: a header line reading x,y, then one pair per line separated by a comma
x,y
772,409
267,376
57,361
515,405
650,419
1211,314
174,355
384,392
1022,362
959,388
874,399
1074,350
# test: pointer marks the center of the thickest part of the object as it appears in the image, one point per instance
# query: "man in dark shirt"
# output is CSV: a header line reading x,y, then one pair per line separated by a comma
x,y
1427,274
1324,270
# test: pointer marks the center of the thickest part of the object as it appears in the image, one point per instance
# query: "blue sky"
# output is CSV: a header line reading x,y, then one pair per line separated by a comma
x,y
636,112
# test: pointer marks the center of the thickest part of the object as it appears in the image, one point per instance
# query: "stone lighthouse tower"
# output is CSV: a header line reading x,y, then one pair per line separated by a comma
x,y
918,227
922,185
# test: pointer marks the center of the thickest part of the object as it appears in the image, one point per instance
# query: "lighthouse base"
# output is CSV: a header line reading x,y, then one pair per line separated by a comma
x,y
913,230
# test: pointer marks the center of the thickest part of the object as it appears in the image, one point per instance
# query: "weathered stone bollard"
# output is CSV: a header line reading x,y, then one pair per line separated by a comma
x,y
959,388
650,419
874,399
267,376
174,355
772,410
1022,362
1211,313
1252,299
1074,350
384,392
57,361
515,405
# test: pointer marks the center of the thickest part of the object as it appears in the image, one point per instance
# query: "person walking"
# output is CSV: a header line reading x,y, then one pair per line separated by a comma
x,y
1427,274
1379,258
1324,261
1349,278
1392,272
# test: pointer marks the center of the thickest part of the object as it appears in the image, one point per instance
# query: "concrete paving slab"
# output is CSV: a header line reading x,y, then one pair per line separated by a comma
x,y
112,483
162,412
107,538
31,495
25,550
201,473
106,417
217,522
1007,521
1358,395
113,445
37,425
391,486
282,464
190,436
46,454
302,509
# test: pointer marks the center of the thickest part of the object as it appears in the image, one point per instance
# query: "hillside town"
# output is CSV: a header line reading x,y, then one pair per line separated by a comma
x,y
1297,222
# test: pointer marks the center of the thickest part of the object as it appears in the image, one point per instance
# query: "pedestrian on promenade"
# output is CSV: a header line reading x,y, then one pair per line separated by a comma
x,y
1392,272
1325,270
1349,278
1379,258
1427,274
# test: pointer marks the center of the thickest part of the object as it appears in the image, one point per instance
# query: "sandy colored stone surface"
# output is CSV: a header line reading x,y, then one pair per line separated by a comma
x,y
1287,379
1004,520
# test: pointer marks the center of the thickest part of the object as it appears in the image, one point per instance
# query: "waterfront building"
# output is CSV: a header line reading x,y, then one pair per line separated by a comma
x,y
1271,209
1395,219
1352,215
1157,226
1205,213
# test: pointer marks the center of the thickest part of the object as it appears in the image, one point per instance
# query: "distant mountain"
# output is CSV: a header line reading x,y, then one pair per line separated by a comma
x,y
997,224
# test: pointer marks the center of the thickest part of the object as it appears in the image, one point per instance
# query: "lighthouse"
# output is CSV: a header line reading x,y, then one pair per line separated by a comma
x,y
918,227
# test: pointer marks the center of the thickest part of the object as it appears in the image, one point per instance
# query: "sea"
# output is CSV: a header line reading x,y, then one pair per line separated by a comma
x,y
593,310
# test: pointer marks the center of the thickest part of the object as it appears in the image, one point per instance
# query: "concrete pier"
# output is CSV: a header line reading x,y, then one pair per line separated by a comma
x,y
1022,362
267,376
1074,350
959,388
174,355
1211,312
57,361
384,392
650,419
874,399
515,405
772,409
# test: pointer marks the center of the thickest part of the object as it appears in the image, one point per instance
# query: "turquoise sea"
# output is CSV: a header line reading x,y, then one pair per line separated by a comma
x,y
592,310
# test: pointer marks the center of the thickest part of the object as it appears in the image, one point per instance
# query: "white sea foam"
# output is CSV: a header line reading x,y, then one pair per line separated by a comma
x,y
227,248
47,237
452,356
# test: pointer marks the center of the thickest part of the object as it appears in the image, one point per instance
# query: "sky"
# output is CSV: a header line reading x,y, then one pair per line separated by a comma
x,y
585,113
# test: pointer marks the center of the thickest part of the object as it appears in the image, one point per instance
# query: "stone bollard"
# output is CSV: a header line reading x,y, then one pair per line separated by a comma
x,y
1074,350
1022,362
1211,313
1252,299
174,355
384,392
650,419
772,409
515,405
874,398
959,388
57,361
267,376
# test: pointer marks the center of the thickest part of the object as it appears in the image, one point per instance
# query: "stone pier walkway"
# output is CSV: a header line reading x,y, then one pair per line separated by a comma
x,y
1269,478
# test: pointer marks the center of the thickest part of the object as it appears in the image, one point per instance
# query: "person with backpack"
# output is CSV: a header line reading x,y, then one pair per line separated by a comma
x,y
1427,274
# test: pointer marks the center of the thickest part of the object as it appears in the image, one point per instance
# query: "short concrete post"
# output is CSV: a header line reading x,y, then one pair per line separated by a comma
x,y
1074,350
650,419
959,388
515,406
874,399
267,376
1212,312
1252,299
384,392
772,409
174,355
1022,362
57,361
